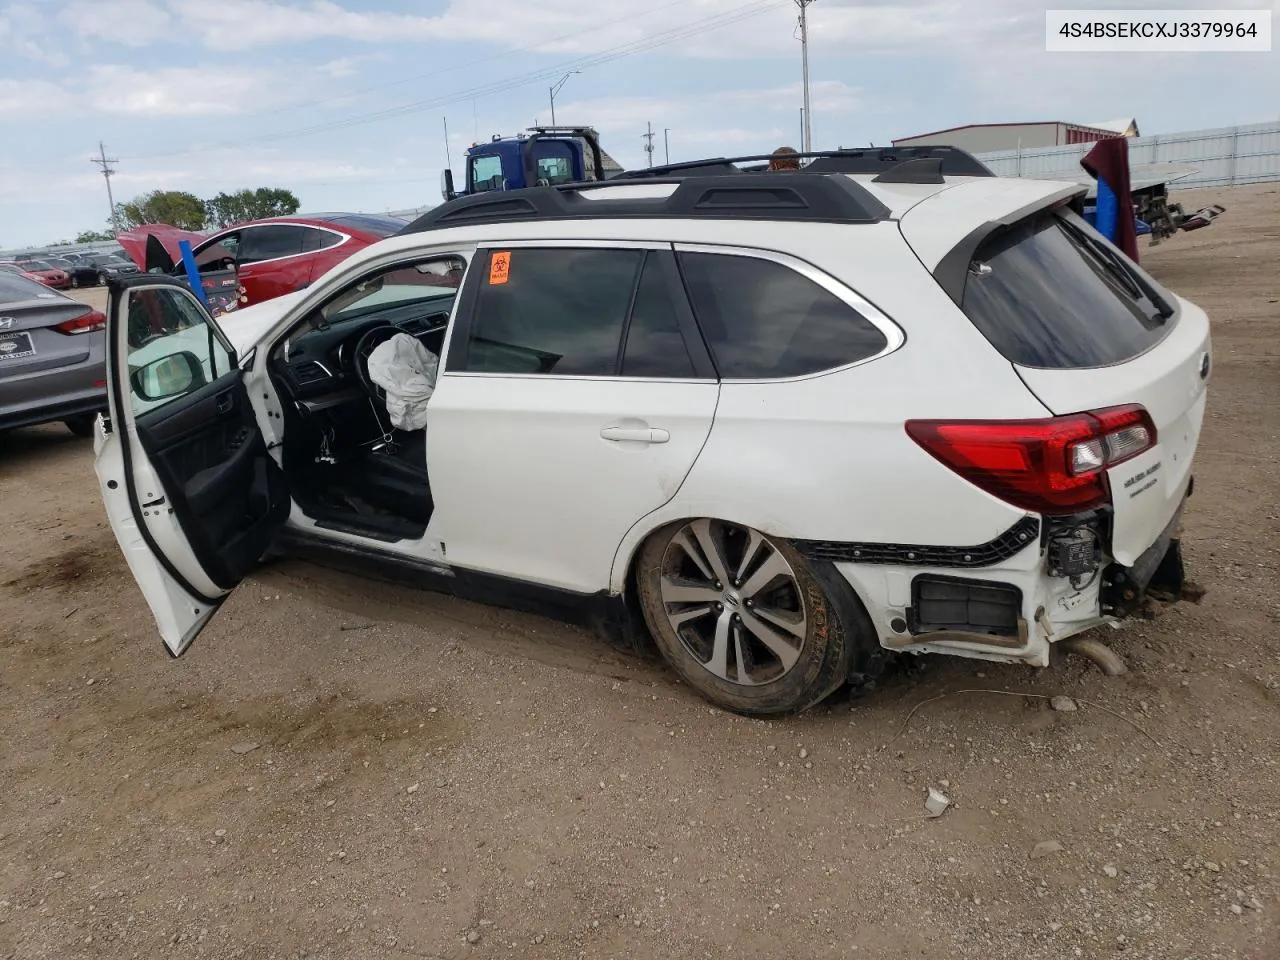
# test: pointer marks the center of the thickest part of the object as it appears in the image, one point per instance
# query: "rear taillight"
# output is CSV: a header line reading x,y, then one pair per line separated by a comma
x,y
1053,466
88,323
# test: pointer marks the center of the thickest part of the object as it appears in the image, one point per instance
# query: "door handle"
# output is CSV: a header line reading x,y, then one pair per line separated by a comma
x,y
224,403
635,434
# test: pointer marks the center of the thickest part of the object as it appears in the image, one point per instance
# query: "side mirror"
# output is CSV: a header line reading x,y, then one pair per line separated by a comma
x,y
446,185
171,376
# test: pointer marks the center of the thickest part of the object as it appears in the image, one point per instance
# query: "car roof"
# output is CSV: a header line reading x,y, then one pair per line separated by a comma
x,y
376,224
793,198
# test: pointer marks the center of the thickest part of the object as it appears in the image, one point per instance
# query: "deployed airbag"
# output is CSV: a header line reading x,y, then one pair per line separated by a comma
x,y
407,371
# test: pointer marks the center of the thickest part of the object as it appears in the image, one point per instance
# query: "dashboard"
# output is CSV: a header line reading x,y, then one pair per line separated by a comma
x,y
317,367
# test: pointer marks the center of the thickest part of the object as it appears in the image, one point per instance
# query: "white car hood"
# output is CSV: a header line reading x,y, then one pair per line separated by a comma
x,y
246,327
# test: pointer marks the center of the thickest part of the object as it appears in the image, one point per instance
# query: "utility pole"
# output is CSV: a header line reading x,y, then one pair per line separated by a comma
x,y
804,57
666,146
105,162
648,138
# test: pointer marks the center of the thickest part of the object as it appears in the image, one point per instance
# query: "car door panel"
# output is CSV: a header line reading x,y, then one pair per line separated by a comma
x,y
538,476
193,495
213,463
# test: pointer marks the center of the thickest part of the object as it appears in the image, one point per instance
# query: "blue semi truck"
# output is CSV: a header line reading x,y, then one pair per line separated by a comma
x,y
541,156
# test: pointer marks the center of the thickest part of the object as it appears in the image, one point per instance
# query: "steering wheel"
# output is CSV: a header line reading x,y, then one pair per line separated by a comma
x,y
365,345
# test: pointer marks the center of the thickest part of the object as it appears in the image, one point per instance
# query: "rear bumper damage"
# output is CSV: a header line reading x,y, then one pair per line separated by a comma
x,y
1159,574
1015,609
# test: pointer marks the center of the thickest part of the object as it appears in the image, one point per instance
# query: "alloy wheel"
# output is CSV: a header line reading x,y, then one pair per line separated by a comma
x,y
734,601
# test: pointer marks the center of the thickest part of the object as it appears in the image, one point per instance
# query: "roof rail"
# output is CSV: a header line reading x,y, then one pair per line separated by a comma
x,y
919,170
952,161
801,197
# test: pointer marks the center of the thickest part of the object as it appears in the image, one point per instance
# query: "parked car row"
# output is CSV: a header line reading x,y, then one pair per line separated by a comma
x,y
68,270
270,257
50,372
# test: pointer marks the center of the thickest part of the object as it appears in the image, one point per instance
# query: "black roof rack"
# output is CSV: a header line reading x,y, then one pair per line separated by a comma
x,y
801,196
919,170
951,161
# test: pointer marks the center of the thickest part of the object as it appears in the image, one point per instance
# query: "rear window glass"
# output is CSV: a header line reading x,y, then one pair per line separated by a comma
x,y
370,223
764,320
1051,292
14,287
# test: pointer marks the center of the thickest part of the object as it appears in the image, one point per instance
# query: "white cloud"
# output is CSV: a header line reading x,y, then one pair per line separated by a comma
x,y
214,90
25,33
240,24
32,98
134,23
344,67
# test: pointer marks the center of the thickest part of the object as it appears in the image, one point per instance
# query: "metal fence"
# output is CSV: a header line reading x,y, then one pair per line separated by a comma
x,y
1226,155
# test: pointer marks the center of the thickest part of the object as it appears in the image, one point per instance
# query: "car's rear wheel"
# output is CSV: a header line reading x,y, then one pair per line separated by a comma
x,y
81,424
746,620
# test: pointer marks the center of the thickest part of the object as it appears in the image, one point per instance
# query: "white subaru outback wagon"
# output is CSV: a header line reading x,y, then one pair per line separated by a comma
x,y
777,424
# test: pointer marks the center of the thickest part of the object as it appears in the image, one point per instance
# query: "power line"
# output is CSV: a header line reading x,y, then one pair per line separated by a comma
x,y
609,55
105,163
460,68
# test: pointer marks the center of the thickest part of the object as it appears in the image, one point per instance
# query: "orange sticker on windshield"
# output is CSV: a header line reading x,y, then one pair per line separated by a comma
x,y
499,267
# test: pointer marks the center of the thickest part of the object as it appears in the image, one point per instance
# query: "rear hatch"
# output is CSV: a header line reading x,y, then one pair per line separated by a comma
x,y
1087,329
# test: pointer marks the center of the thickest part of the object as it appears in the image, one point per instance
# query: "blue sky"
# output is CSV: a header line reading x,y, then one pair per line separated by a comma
x,y
343,101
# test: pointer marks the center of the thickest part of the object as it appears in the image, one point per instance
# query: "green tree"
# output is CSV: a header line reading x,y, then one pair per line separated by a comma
x,y
174,207
228,208
93,236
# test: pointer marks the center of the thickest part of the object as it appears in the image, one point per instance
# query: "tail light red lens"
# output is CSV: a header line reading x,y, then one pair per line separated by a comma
x,y
1052,466
86,323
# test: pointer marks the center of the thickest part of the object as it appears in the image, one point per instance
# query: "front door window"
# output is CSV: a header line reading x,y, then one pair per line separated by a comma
x,y
173,349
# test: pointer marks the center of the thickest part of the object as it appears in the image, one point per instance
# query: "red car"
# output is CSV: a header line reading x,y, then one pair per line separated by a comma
x,y
42,272
272,257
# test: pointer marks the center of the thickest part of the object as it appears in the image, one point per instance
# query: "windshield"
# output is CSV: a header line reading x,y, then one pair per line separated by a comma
x,y
431,284
1051,292
36,265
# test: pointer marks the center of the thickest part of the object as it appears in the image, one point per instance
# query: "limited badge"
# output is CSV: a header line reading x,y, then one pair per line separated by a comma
x,y
499,267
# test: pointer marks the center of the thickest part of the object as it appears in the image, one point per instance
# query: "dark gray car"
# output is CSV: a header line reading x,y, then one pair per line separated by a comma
x,y
52,357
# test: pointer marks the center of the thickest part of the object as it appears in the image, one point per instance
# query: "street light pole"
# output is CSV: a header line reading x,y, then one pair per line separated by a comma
x,y
556,89
666,145
804,57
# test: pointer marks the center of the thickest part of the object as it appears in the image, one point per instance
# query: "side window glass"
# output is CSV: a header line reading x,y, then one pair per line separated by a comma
x,y
220,255
172,347
557,311
486,173
764,320
654,345
313,239
269,242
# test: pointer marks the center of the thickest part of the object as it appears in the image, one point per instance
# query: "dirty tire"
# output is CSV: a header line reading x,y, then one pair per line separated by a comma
x,y
81,424
837,641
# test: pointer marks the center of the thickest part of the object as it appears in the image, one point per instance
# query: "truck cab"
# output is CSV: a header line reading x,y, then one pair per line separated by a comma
x,y
542,156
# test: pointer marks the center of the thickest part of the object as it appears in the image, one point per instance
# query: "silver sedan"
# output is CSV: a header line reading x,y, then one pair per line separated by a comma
x,y
52,357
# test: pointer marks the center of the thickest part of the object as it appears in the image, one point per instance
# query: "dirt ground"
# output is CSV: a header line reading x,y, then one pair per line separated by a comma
x,y
343,769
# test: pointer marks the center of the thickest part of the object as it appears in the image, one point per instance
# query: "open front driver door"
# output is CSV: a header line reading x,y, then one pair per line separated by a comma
x,y
192,494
